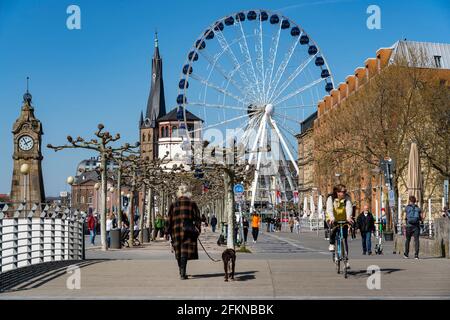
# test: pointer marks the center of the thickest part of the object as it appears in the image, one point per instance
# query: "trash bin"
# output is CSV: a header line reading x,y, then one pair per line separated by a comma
x,y
388,236
115,238
146,234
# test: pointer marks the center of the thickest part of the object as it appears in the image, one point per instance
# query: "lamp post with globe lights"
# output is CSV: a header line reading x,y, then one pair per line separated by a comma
x,y
25,170
70,180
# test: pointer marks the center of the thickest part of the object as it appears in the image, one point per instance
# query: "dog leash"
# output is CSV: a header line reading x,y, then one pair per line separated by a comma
x,y
207,251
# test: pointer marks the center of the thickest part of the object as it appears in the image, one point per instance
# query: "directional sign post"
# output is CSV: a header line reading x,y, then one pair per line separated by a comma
x,y
238,197
238,189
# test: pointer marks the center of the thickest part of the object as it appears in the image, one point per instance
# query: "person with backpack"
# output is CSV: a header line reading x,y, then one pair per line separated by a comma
x,y
339,208
366,225
413,218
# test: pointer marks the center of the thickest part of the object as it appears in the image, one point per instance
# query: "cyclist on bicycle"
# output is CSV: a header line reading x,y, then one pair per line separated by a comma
x,y
339,208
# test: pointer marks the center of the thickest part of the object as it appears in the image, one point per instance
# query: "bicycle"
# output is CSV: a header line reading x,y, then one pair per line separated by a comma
x,y
379,242
340,254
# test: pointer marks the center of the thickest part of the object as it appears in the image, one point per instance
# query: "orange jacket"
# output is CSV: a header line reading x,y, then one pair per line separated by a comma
x,y
255,222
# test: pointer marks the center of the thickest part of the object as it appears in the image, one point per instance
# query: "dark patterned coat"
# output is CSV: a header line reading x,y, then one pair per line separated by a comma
x,y
183,208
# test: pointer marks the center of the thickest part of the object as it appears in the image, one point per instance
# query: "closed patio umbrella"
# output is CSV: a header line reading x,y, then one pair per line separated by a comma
x,y
414,174
312,206
305,207
320,207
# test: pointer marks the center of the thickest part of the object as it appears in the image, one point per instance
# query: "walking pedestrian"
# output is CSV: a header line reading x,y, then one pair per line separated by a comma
x,y
297,224
291,223
91,224
204,222
245,226
184,227
366,224
159,227
255,226
413,218
213,223
272,224
109,227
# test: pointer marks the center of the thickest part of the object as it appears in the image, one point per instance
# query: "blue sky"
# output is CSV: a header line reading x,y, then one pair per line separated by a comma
x,y
101,73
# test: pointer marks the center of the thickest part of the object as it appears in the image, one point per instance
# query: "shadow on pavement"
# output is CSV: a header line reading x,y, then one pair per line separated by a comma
x,y
238,276
365,274
36,275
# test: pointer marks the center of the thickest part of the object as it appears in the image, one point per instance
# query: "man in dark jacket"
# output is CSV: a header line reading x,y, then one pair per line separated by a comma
x,y
183,226
213,223
366,225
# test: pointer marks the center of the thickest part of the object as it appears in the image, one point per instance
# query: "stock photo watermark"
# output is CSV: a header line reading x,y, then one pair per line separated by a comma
x,y
374,20
73,21
73,282
374,280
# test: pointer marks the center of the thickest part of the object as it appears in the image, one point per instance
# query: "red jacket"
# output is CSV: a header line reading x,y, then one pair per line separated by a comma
x,y
91,222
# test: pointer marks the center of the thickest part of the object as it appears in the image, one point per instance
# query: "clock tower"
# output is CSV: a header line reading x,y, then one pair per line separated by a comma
x,y
27,182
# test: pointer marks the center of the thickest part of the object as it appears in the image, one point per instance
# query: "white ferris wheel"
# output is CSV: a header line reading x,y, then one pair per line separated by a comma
x,y
257,74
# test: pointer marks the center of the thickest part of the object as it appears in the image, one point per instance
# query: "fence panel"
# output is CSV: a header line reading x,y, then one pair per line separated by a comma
x,y
33,237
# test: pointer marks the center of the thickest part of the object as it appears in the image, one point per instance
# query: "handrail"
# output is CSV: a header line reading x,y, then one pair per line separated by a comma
x,y
57,231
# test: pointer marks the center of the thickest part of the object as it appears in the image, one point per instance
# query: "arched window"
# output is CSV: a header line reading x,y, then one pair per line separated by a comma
x,y
167,132
143,137
149,138
174,131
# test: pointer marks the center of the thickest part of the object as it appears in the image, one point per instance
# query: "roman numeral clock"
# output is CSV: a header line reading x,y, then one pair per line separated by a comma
x,y
27,185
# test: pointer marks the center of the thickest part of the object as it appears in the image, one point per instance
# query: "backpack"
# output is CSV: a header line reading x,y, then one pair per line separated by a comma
x,y
412,215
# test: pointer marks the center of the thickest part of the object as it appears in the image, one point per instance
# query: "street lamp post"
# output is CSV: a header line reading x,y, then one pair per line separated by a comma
x,y
378,214
70,180
24,170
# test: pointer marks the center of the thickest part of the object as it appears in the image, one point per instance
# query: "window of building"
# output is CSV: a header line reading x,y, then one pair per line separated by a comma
x,y
174,131
437,61
82,199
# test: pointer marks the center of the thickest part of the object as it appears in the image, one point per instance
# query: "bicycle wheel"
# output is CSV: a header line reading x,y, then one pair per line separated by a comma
x,y
344,257
338,258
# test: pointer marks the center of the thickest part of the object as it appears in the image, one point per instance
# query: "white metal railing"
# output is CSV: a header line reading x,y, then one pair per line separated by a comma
x,y
38,236
312,223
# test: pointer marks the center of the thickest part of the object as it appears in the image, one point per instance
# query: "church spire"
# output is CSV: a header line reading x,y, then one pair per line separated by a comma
x,y
156,106
141,120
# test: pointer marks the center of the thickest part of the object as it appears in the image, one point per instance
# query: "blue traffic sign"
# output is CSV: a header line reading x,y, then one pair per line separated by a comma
x,y
238,188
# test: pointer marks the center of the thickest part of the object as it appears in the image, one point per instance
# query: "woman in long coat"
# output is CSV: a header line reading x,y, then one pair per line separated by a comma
x,y
183,211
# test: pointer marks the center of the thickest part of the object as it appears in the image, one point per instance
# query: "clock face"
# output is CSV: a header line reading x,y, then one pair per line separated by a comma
x,y
26,143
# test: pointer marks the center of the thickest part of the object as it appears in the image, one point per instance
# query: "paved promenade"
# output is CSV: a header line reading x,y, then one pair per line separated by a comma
x,y
282,265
